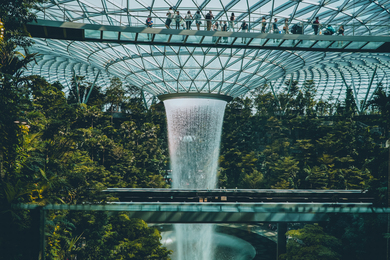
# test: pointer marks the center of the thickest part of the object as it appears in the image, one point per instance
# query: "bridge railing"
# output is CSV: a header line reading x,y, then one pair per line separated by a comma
x,y
254,24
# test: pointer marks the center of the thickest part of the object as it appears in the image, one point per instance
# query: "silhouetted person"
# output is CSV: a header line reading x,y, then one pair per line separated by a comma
x,y
316,25
209,17
169,18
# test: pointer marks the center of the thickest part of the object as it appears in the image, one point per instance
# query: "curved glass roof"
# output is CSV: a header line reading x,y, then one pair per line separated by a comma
x,y
231,71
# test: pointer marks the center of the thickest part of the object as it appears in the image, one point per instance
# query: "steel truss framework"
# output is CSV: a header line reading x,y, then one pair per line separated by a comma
x,y
230,71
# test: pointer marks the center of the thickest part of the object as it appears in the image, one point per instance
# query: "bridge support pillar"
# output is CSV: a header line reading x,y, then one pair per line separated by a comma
x,y
281,246
38,222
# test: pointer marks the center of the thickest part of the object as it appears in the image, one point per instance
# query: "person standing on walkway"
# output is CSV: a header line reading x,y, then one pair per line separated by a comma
x,y
275,28
263,24
197,17
215,28
285,27
231,22
188,20
149,24
209,18
178,19
316,25
224,28
244,27
341,30
169,18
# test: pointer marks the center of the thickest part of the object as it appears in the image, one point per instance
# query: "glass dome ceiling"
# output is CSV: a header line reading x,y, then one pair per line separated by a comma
x,y
230,71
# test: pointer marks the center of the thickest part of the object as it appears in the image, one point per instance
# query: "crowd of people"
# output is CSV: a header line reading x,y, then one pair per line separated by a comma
x,y
185,22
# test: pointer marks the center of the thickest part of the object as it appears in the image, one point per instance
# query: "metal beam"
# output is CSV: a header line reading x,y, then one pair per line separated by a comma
x,y
77,87
377,86
354,90
368,90
288,91
355,94
276,97
85,101
144,99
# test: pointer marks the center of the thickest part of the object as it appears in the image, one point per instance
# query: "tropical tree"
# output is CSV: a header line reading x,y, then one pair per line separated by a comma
x,y
311,242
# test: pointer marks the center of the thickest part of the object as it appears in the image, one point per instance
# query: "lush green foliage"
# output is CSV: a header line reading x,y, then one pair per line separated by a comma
x,y
311,242
68,153
295,142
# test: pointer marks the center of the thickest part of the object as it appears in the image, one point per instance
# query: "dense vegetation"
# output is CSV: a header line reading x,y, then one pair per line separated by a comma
x,y
296,142
68,152
300,143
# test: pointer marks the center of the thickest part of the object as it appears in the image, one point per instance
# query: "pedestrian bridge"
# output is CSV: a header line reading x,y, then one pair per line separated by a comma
x,y
229,205
217,39
239,195
197,212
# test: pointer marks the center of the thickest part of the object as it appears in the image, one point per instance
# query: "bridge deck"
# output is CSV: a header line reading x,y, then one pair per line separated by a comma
x,y
193,38
239,195
162,212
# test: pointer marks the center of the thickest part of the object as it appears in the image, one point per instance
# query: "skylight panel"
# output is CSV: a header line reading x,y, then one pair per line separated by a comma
x,y
266,9
94,3
280,8
287,12
304,9
204,4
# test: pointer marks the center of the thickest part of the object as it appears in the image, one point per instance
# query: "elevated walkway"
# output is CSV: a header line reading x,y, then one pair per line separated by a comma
x,y
208,39
239,195
229,205
197,212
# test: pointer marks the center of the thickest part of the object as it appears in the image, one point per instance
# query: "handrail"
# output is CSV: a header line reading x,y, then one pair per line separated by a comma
x,y
254,25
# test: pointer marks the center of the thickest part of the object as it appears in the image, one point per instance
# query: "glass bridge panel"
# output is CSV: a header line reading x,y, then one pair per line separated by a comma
x,y
209,39
355,45
289,43
373,45
322,44
177,38
145,37
246,209
305,44
107,35
92,34
194,39
229,209
188,208
168,208
150,207
242,41
339,44
226,42
126,36
161,37
211,208
255,42
273,42
134,207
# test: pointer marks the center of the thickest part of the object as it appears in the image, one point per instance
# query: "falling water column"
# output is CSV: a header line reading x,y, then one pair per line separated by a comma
x,y
194,135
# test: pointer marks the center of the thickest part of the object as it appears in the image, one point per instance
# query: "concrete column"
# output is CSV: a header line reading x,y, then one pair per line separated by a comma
x,y
281,246
38,222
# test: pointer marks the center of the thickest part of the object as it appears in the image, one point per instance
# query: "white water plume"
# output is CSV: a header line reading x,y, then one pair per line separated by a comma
x,y
194,134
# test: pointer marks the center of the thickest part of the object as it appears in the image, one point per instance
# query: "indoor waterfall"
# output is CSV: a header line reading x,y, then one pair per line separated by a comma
x,y
194,134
